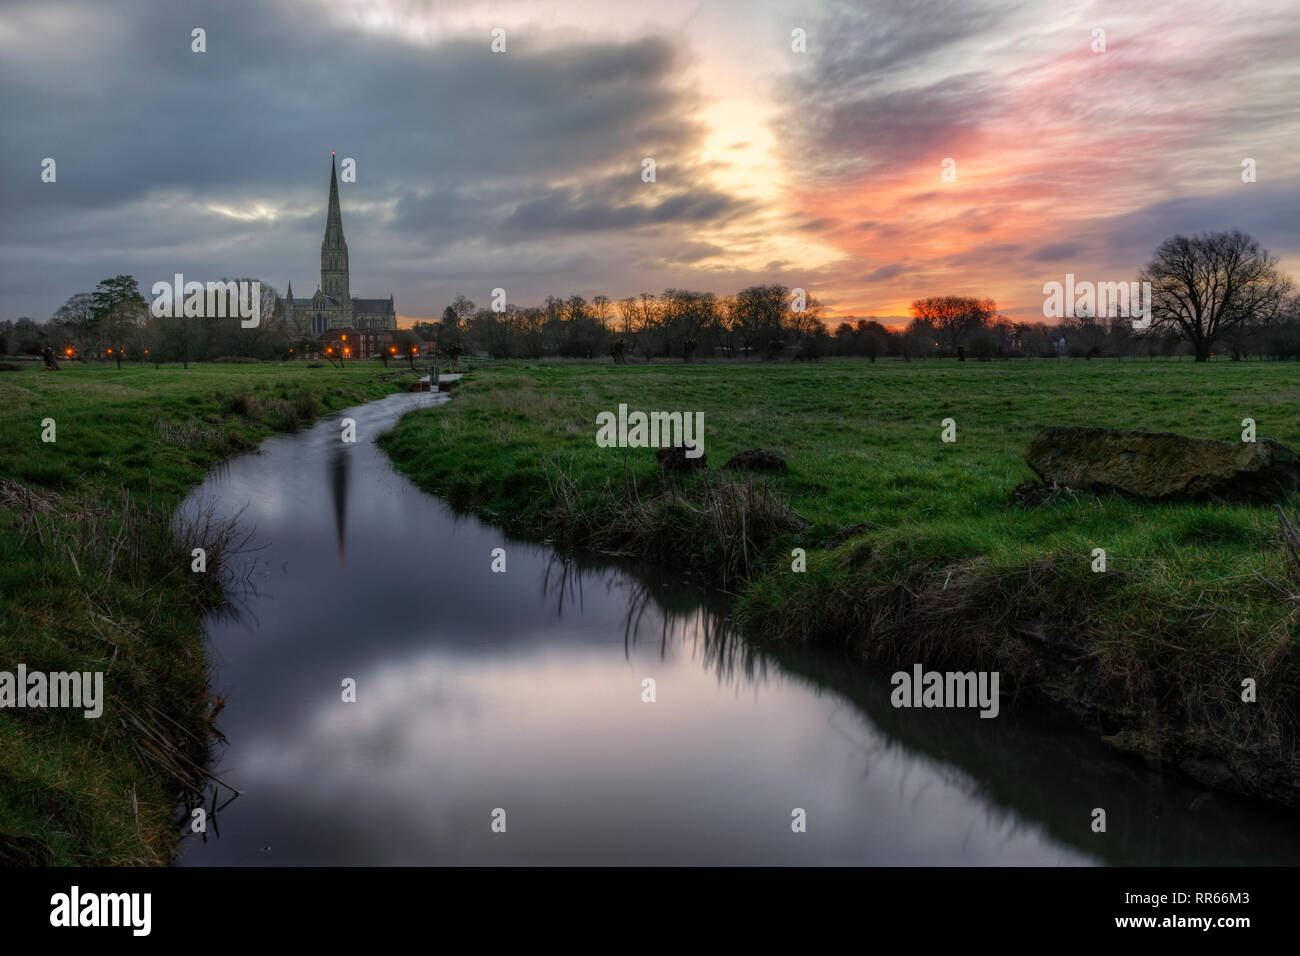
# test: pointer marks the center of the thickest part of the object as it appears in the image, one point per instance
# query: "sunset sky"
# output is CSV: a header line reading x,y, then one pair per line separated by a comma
x,y
522,169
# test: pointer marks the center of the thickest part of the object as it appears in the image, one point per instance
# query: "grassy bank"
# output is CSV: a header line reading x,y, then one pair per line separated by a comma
x,y
915,552
93,579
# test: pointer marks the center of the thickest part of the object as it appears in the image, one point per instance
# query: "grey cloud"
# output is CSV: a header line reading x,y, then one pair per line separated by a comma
x,y
563,210
454,146
847,112
1055,251
1267,212
885,272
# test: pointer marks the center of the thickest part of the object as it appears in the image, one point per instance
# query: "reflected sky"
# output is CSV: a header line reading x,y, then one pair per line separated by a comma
x,y
523,691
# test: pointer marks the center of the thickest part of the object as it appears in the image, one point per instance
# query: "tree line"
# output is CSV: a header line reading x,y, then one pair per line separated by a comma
x,y
767,321
1211,294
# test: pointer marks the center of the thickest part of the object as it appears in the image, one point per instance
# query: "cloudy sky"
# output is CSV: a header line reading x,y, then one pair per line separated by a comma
x,y
820,169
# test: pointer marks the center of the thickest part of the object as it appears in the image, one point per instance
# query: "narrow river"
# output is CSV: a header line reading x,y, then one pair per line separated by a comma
x,y
517,697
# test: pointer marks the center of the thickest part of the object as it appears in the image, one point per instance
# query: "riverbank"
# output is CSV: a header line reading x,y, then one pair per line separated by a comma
x,y
916,551
96,578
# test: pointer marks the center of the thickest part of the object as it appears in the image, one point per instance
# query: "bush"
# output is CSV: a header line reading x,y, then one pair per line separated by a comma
x,y
306,406
241,404
282,418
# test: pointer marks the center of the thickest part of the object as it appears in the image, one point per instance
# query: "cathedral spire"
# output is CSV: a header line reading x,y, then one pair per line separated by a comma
x,y
334,249
335,217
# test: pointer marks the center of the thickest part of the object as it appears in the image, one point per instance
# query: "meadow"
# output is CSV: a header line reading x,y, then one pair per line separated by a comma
x,y
918,550
94,577
915,548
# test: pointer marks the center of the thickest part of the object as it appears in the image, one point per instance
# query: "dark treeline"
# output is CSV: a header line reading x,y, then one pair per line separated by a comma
x,y
1084,338
758,322
1213,294
114,323
761,321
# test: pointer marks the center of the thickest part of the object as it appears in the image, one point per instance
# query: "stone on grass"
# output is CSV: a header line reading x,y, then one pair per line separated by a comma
x,y
1162,465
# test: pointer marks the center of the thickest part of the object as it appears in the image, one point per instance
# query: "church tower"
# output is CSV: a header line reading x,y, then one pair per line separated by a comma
x,y
332,306
334,249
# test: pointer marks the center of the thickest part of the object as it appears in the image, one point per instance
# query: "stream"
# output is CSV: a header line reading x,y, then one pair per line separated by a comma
x,y
499,717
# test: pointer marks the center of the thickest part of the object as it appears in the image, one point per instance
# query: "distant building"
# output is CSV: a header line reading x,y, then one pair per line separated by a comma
x,y
333,307
358,343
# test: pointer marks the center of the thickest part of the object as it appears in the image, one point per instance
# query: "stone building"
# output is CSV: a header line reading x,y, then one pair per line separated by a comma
x,y
333,306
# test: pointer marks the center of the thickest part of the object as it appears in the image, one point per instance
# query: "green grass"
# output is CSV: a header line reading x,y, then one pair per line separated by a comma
x,y
1195,596
92,583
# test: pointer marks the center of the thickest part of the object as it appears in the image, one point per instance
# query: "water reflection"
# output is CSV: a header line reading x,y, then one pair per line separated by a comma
x,y
1034,766
659,610
339,465
479,690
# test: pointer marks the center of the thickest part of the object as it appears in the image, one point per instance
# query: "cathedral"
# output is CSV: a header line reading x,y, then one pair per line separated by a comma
x,y
333,306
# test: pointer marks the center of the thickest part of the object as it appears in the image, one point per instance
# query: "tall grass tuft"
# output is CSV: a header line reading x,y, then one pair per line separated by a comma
x,y
718,525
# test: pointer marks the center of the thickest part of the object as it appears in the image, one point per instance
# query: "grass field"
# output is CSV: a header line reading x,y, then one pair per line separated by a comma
x,y
93,579
914,552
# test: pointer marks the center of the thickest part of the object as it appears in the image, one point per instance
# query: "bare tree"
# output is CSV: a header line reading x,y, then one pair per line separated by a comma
x,y
955,317
78,316
463,308
1087,334
600,309
1214,284
576,309
683,317
758,317
809,323
640,317
627,313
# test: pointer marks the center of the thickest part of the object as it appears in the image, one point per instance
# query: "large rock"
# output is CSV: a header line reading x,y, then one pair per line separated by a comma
x,y
1163,465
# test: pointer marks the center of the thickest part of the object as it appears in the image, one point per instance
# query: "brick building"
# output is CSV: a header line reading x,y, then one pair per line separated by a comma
x,y
358,343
